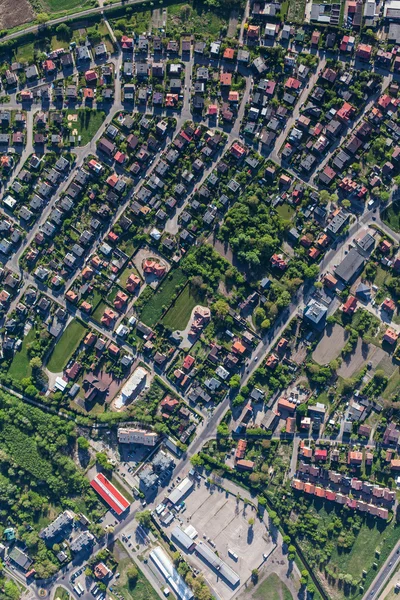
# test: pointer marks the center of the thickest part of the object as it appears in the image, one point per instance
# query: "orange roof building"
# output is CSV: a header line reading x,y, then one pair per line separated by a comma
x,y
284,404
71,296
113,349
390,336
225,78
350,305
290,425
132,282
120,300
108,317
272,361
229,53
354,458
238,347
241,449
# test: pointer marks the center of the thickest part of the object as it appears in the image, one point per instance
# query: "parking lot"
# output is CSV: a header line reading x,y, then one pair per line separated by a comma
x,y
222,520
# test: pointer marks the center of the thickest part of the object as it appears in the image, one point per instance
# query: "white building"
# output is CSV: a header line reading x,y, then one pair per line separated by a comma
x,y
135,381
171,575
128,435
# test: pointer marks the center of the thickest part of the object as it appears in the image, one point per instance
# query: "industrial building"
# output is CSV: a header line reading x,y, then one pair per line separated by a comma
x,y
109,493
58,527
134,384
171,575
129,435
183,539
217,564
177,495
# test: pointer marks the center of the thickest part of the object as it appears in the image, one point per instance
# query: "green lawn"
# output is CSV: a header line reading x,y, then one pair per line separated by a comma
x,y
391,216
179,314
272,588
123,278
98,313
393,385
61,594
162,297
88,123
66,346
285,211
25,53
19,367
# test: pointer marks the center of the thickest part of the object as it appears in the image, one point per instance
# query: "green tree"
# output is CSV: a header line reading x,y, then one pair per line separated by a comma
x,y
83,443
144,518
197,461
42,18
132,575
220,308
234,382
35,363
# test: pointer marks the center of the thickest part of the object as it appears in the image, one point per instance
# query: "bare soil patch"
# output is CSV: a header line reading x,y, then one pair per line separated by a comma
x,y
14,13
330,345
362,354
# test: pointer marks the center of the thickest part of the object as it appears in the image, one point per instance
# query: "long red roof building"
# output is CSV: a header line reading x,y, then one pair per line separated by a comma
x,y
109,494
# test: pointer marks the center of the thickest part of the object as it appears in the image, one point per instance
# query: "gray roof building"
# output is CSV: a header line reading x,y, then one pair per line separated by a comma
x,y
350,266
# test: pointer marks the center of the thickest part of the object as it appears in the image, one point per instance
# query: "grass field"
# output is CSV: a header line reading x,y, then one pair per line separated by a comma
x,y
194,17
142,590
296,11
19,367
61,594
179,314
272,588
391,216
66,346
162,297
88,123
25,53
372,536
56,6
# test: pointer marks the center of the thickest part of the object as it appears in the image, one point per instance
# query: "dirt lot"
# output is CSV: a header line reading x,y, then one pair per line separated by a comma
x,y
330,345
15,13
218,516
362,354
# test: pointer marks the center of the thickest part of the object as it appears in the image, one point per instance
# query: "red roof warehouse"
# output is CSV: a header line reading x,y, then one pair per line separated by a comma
x,y
110,494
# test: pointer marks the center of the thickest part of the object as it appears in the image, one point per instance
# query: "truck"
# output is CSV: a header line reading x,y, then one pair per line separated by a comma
x,y
233,554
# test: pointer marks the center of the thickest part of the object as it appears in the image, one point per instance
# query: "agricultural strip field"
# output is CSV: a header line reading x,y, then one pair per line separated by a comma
x,y
162,297
66,346
20,367
178,315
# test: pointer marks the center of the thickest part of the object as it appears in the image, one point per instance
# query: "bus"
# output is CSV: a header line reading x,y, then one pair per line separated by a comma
x,y
77,590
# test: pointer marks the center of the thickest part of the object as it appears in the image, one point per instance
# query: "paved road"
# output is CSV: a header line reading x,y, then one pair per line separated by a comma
x,y
387,569
77,15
